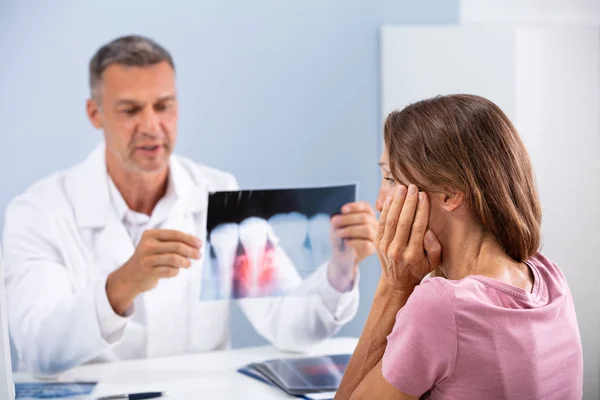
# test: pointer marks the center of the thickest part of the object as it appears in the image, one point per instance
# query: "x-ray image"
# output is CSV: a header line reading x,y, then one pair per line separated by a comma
x,y
262,242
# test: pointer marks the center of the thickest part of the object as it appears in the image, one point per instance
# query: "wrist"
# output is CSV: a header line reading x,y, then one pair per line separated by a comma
x,y
341,279
120,294
406,287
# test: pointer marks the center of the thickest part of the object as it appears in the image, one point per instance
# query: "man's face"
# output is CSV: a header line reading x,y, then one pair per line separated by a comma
x,y
138,114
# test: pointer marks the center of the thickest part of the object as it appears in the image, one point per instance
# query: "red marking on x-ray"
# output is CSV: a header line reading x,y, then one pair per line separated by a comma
x,y
242,273
245,271
266,273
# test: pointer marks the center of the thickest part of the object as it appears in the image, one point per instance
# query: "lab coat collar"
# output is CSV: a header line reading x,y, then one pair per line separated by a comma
x,y
91,197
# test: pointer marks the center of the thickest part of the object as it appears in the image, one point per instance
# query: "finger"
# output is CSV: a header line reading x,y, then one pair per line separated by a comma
x,y
168,235
165,271
340,221
416,251
407,215
358,207
365,232
433,249
179,248
170,260
383,218
392,219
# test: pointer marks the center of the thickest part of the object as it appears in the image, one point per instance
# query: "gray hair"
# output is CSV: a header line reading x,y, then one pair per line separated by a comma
x,y
131,51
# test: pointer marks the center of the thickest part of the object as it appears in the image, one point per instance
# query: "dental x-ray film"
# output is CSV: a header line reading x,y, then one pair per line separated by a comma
x,y
261,243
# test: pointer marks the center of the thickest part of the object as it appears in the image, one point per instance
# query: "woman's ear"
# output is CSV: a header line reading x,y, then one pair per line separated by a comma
x,y
450,200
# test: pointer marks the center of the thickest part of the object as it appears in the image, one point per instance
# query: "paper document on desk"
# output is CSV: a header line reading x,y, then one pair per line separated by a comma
x,y
54,390
261,243
320,396
310,377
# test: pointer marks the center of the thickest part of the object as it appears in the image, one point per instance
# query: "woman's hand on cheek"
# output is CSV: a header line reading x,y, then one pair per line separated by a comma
x,y
406,249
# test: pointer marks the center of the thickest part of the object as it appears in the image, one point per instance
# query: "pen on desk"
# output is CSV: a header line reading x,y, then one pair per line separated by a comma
x,y
134,396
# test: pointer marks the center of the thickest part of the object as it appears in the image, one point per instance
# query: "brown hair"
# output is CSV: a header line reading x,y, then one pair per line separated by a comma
x,y
467,143
131,51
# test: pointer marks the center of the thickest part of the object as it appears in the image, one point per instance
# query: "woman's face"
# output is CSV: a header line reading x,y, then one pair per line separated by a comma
x,y
389,186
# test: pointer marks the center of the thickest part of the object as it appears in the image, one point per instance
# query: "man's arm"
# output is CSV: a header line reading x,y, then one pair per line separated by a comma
x,y
316,308
311,310
308,312
53,327
61,318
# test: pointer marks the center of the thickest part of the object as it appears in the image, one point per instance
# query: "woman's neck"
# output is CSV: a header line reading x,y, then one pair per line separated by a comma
x,y
470,250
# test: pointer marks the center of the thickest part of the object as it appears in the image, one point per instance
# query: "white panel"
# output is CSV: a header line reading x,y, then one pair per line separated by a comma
x,y
425,61
570,12
558,104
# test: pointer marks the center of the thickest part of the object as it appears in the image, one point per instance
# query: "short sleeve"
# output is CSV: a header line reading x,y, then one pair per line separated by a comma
x,y
421,349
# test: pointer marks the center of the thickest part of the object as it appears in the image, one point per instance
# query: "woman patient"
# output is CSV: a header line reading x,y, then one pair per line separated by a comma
x,y
495,318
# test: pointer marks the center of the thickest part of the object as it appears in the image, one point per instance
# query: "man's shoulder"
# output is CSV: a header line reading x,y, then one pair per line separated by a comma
x,y
204,175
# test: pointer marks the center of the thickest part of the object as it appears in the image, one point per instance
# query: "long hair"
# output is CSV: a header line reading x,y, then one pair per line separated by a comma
x,y
467,143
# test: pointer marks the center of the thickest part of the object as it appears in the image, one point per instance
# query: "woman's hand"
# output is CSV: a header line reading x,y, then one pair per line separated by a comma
x,y
406,249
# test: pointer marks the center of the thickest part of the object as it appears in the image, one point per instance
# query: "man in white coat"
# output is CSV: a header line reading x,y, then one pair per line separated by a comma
x,y
104,260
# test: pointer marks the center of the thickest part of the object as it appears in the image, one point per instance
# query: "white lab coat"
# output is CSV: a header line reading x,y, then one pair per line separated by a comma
x,y
62,238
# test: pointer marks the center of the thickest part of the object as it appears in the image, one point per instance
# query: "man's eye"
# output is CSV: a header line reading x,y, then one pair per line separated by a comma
x,y
130,111
162,107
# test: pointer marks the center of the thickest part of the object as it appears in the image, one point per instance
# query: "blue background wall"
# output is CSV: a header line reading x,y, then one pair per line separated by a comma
x,y
280,93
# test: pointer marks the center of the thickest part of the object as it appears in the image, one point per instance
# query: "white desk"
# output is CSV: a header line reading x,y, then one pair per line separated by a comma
x,y
206,375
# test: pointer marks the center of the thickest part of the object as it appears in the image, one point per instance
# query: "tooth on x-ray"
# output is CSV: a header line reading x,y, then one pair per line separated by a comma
x,y
210,275
224,240
291,231
256,276
242,274
319,234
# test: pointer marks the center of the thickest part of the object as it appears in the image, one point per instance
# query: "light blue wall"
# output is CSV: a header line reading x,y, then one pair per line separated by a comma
x,y
280,93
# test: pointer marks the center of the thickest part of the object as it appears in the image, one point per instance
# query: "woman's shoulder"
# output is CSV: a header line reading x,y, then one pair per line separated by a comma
x,y
446,287
545,265
549,281
433,293
549,274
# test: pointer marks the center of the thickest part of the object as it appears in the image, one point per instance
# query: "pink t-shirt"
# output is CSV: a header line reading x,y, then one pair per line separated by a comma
x,y
479,338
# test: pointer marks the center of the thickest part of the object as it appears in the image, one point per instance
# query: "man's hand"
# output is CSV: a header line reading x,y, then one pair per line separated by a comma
x,y
353,238
160,254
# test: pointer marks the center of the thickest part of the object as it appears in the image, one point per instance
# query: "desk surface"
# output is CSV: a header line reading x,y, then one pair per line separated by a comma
x,y
205,375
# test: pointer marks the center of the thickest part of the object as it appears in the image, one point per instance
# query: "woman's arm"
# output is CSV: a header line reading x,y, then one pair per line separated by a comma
x,y
406,254
371,345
